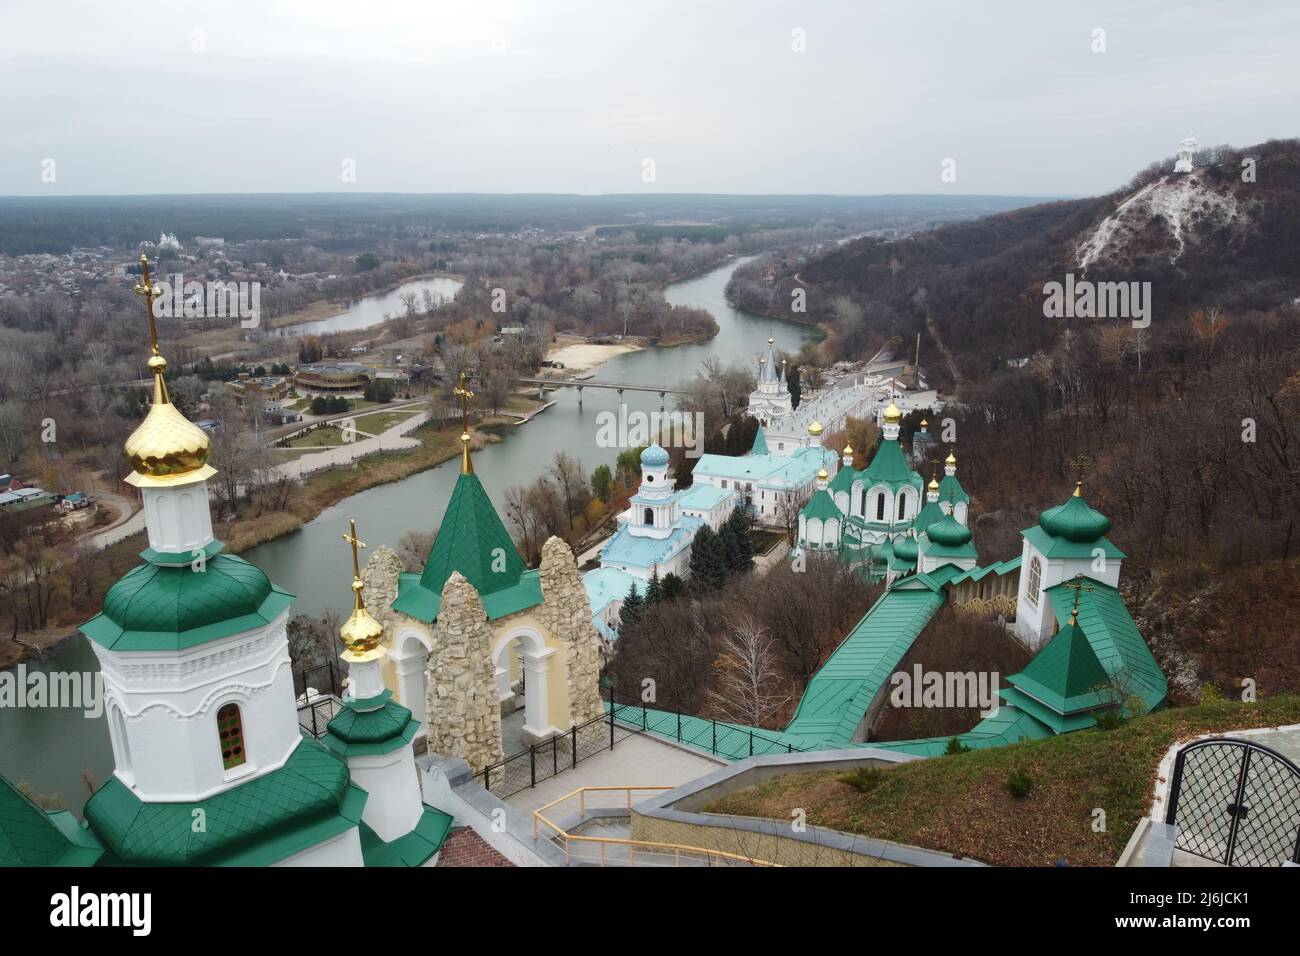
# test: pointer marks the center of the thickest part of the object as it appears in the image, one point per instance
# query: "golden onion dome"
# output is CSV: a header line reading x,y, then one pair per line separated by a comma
x,y
361,633
815,428
848,448
924,423
821,475
893,415
934,484
166,445
951,459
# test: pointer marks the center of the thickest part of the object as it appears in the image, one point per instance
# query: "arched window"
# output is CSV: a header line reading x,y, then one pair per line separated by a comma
x,y
649,517
880,506
230,728
902,505
1035,579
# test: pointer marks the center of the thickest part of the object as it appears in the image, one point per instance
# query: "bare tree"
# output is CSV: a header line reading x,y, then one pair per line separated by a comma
x,y
749,685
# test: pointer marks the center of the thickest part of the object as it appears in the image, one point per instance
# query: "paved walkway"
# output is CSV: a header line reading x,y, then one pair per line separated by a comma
x,y
638,761
392,439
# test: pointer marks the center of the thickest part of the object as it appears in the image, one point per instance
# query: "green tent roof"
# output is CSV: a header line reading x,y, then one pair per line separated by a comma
x,y
760,442
1065,675
1115,639
822,506
265,820
174,607
1075,520
29,836
928,515
889,467
843,480
473,541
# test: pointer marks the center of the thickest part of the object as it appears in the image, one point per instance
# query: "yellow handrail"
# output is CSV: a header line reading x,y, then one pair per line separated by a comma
x,y
677,849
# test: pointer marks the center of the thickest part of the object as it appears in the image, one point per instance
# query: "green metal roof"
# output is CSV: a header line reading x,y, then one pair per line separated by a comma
x,y
1075,520
1007,726
411,849
928,515
267,819
1114,638
29,836
1001,569
357,731
760,442
167,607
889,467
822,506
1065,675
843,480
948,533
843,688
473,541
415,600
1053,547
950,489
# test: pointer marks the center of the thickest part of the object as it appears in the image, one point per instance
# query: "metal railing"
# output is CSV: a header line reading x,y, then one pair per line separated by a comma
x,y
718,738
552,757
620,851
318,693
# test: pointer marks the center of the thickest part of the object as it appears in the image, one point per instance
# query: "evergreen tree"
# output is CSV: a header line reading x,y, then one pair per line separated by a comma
x,y
602,482
740,548
654,592
709,559
673,587
632,609
792,385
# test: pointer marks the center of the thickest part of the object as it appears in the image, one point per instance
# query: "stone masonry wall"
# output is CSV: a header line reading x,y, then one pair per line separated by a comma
x,y
566,612
464,714
379,582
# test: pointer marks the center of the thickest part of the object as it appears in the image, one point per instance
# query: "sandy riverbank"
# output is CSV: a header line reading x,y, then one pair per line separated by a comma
x,y
583,356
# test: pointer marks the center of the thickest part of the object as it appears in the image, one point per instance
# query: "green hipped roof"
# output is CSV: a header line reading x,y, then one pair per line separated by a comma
x,y
473,541
949,532
1065,675
950,489
1115,640
422,604
355,731
888,467
305,802
760,442
170,607
821,505
29,836
410,849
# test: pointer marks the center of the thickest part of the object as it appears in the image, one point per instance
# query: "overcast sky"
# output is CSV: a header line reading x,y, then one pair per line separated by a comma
x,y
574,96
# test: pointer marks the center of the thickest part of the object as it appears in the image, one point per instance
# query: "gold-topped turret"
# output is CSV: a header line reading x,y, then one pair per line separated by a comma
x,y
462,392
934,483
815,428
1078,489
951,459
167,447
893,414
361,633
848,448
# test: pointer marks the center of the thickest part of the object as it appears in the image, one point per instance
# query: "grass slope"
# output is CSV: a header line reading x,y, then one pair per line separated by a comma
x,y
959,804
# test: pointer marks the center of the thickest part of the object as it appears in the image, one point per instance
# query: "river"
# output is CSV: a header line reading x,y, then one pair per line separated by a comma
x,y
373,309
50,747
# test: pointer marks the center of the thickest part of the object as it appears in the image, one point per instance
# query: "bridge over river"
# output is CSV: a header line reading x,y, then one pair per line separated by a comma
x,y
553,383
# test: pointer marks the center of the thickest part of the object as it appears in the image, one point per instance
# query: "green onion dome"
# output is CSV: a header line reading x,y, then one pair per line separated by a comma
x,y
905,549
949,532
1075,520
176,599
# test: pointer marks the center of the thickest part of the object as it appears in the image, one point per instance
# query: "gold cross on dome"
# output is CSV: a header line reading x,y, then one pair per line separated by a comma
x,y
1078,587
150,292
356,543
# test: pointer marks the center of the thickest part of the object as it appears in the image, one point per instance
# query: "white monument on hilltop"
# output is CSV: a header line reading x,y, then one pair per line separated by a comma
x,y
1186,149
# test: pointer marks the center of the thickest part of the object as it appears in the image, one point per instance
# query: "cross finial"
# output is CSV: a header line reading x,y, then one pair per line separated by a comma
x,y
356,543
1078,587
150,292
462,391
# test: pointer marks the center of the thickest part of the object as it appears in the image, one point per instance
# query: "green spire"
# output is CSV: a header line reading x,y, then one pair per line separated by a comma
x,y
473,541
889,467
760,442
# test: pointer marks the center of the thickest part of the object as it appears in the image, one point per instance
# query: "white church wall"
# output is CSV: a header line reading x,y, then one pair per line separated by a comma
x,y
342,850
393,807
169,704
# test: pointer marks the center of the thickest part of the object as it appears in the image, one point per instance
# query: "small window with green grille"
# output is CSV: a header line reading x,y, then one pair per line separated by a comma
x,y
231,729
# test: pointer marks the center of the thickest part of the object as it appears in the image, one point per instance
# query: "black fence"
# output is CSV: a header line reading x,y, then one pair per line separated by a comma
x,y
317,691
717,737
1236,802
548,759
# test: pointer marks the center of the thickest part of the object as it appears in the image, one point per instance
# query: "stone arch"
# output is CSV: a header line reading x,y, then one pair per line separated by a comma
x,y
537,675
410,657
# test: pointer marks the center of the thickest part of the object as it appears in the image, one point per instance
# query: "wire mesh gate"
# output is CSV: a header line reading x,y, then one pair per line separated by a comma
x,y
1236,802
